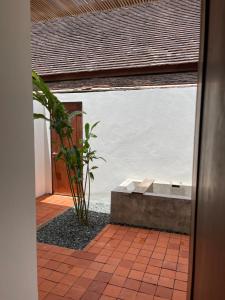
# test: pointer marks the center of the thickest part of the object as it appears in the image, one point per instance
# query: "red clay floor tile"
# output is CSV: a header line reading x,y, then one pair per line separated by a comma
x,y
117,280
164,292
97,286
148,288
112,290
127,294
143,296
132,284
179,295
165,281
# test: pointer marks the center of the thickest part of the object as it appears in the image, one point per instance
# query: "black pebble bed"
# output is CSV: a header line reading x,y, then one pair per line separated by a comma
x,y
65,230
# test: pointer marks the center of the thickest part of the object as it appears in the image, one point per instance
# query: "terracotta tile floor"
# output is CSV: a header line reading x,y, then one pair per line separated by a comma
x,y
120,263
50,206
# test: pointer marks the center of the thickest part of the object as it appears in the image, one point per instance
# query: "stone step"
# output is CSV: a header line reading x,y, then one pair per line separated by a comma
x,y
143,186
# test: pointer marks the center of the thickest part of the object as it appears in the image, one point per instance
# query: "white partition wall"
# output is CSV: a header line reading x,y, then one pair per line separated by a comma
x,y
17,214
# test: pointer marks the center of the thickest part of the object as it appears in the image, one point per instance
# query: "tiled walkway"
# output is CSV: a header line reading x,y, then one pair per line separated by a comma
x,y
50,206
120,263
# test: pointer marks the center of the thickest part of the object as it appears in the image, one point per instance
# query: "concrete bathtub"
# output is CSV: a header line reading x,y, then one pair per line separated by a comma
x,y
152,204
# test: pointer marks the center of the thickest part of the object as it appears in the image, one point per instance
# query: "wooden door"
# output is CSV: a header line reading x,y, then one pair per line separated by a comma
x,y
60,183
208,243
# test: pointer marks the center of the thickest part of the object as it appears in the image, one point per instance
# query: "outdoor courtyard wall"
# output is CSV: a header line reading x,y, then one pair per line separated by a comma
x,y
142,133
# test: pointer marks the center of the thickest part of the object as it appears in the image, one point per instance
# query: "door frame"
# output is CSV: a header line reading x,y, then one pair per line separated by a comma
x,y
197,137
206,126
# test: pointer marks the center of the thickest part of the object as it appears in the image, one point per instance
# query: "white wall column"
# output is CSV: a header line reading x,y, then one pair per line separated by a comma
x,y
18,280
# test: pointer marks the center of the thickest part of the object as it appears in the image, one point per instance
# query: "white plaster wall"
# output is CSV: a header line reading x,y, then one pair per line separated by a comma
x,y
18,268
143,133
39,142
42,153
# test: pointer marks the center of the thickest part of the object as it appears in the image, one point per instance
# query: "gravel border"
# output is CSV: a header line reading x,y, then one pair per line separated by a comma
x,y
65,231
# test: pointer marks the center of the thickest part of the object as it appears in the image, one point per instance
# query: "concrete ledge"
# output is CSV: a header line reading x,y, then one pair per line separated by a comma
x,y
163,212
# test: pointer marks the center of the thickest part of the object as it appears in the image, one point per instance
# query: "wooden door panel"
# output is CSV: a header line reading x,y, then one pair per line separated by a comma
x,y
60,183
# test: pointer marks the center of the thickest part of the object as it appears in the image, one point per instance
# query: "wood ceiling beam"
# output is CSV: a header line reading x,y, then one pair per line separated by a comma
x,y
42,10
165,69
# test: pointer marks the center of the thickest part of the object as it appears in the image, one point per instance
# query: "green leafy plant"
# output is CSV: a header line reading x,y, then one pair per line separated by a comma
x,y
79,159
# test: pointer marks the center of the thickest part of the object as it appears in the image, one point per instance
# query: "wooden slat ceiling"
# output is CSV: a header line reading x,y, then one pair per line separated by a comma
x,y
51,9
